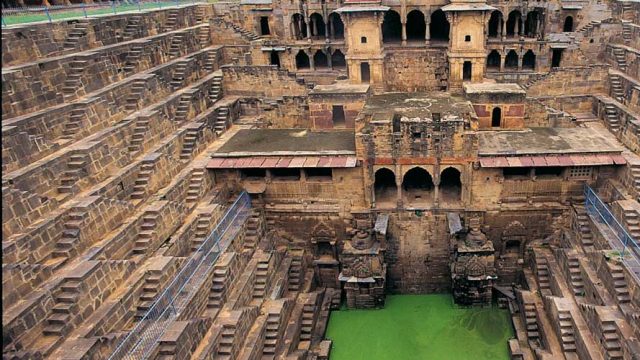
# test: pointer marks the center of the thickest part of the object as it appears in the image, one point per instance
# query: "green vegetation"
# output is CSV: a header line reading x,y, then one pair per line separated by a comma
x,y
420,327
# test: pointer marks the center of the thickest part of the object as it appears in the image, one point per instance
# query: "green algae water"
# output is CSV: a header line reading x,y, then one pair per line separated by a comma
x,y
420,327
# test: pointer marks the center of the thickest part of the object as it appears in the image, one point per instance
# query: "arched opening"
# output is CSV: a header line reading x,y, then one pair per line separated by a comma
x,y
495,24
529,60
274,59
298,27
493,61
466,71
317,25
531,24
336,26
514,23
320,60
568,24
365,72
417,185
302,60
391,27
450,185
512,247
511,61
416,26
337,60
439,26
496,117
264,25
385,186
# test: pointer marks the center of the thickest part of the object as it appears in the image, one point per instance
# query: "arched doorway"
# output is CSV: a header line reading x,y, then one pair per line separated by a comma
x,y
416,26
568,24
320,60
493,61
450,185
302,60
365,72
337,60
317,26
439,26
529,60
495,24
417,185
385,188
298,27
336,26
496,117
511,61
391,27
531,24
514,23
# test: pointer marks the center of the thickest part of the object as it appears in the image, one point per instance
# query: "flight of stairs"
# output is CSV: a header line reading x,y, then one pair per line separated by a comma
x,y
73,82
215,91
308,321
271,334
542,272
172,20
75,168
177,79
631,221
220,125
132,27
260,281
531,80
200,14
140,187
78,31
575,280
225,344
195,186
137,89
253,232
627,33
619,55
146,232
627,11
203,225
635,178
248,35
139,132
218,292
204,37
588,27
150,290
582,226
74,124
616,88
182,110
175,47
65,246
611,341
611,116
211,60
295,271
566,331
59,323
133,56
621,291
533,334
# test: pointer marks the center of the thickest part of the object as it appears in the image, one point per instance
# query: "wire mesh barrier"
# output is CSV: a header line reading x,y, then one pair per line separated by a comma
x,y
30,14
141,340
618,237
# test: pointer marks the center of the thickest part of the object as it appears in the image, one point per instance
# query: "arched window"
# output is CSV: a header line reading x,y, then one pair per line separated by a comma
x,y
493,60
496,117
302,60
439,26
337,60
385,187
391,27
511,61
450,185
514,23
336,26
531,24
495,24
317,25
298,27
417,185
568,24
416,26
320,60
529,60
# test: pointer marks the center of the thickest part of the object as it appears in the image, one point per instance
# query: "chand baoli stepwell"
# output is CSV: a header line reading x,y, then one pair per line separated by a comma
x,y
216,180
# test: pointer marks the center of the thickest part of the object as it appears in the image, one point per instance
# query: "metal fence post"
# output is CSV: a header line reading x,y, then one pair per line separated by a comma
x,y
84,9
46,10
4,23
113,5
159,4
139,7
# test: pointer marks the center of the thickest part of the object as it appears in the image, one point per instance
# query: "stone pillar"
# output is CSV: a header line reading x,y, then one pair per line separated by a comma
x,y
427,31
329,58
404,33
330,29
502,60
520,57
312,65
326,31
309,29
521,26
504,30
436,193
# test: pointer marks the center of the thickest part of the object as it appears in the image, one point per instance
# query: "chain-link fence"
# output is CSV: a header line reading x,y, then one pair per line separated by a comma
x,y
31,14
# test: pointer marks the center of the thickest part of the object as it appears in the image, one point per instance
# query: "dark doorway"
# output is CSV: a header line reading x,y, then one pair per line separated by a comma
x,y
556,57
511,61
466,71
417,185
264,25
495,24
320,60
337,26
385,186
338,116
439,26
568,24
496,117
317,26
391,27
493,60
365,73
531,24
302,60
513,23
450,185
416,26
275,59
299,26
529,60
337,60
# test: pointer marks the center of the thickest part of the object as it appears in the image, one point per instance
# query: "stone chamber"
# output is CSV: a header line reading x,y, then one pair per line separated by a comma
x,y
211,180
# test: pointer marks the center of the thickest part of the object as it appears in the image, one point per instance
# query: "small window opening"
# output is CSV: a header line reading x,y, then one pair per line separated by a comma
x,y
363,40
251,174
549,171
496,117
319,174
516,173
264,25
285,174
338,116
467,38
